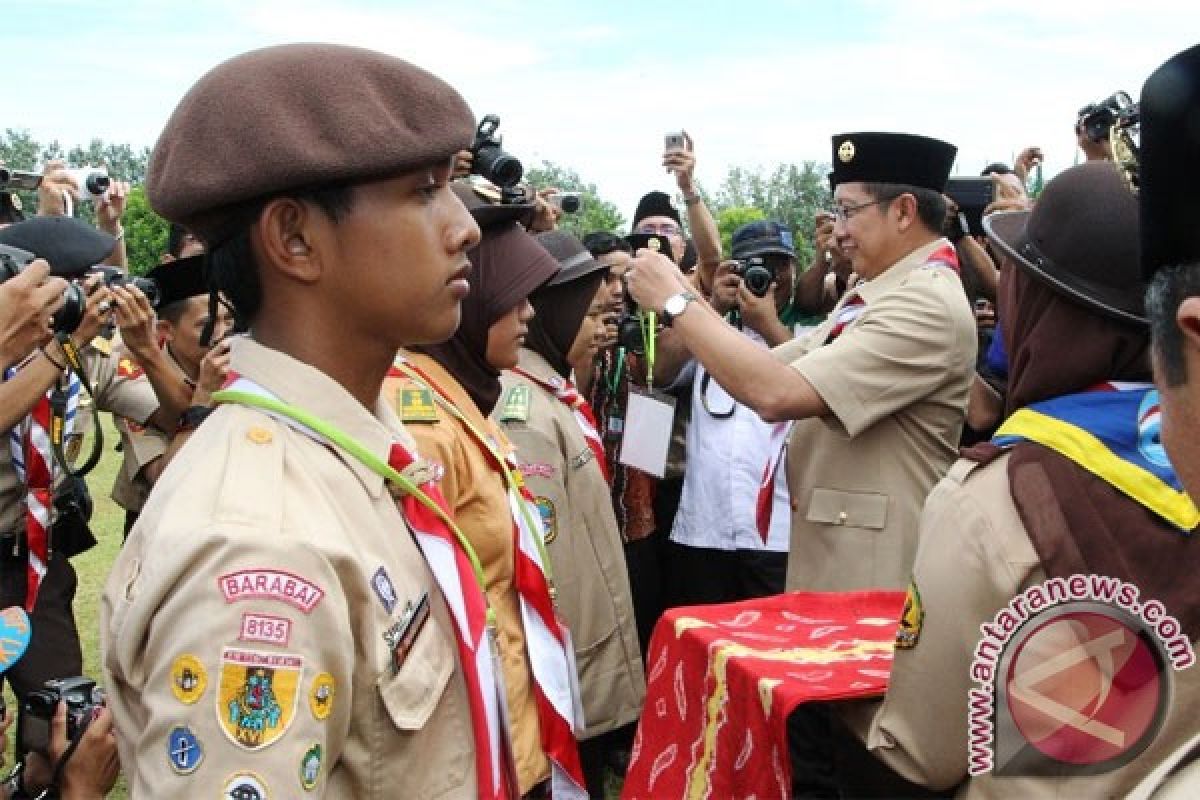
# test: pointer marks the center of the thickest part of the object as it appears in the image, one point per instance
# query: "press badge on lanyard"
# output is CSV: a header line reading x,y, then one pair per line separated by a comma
x,y
648,420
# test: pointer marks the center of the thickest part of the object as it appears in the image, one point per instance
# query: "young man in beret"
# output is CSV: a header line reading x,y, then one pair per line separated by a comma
x,y
273,627
879,390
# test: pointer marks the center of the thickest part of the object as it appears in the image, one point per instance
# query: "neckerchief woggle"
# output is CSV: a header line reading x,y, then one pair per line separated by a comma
x,y
1114,432
547,638
455,568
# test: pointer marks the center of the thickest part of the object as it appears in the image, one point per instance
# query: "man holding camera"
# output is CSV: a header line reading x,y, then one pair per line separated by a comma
x,y
879,390
719,553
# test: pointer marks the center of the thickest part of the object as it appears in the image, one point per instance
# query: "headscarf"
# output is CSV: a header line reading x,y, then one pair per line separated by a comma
x,y
560,312
506,266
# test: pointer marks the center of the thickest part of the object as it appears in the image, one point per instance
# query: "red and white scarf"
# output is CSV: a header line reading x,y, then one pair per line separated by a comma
x,y
33,459
466,601
547,639
566,392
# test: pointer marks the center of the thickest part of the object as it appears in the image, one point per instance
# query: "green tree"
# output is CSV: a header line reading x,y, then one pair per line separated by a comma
x,y
145,233
596,214
791,194
730,219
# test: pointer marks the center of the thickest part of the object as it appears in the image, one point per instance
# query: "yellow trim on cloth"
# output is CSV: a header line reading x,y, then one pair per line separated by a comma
x,y
1075,443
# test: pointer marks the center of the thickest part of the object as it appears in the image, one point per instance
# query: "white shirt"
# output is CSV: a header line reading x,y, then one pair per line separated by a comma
x,y
725,462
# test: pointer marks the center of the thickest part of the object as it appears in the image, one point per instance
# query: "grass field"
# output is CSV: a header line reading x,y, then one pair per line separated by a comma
x,y
108,521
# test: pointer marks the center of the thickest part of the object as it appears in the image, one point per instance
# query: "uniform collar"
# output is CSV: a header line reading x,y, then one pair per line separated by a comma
x,y
893,276
532,362
299,384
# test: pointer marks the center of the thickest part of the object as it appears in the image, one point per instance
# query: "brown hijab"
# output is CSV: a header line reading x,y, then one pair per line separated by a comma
x,y
506,266
560,312
1077,522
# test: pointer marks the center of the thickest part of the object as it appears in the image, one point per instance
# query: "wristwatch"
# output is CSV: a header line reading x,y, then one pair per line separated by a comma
x,y
676,304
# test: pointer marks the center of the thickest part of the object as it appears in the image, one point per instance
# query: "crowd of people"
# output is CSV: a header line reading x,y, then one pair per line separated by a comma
x,y
410,473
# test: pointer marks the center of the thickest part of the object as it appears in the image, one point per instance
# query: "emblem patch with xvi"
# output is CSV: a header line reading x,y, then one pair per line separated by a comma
x,y
257,699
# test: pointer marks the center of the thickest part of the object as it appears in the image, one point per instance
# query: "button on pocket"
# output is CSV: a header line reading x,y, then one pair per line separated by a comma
x,y
848,509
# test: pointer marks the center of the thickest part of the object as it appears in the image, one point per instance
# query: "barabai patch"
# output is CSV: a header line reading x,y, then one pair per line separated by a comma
x,y
270,584
256,702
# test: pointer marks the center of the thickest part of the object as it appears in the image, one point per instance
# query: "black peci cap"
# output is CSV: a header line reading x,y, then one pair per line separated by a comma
x,y
901,158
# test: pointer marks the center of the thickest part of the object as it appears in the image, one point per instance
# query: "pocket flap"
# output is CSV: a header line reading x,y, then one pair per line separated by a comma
x,y
852,509
412,694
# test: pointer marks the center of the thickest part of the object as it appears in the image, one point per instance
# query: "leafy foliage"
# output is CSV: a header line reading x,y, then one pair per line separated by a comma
x,y
597,214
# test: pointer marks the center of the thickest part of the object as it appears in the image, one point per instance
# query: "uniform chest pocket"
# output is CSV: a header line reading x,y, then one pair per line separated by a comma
x,y
851,509
411,694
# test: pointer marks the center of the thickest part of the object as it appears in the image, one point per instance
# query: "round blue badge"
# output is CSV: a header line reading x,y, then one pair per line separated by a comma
x,y
184,751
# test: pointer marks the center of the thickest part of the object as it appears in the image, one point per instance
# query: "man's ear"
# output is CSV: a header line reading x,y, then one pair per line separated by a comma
x,y
1188,319
285,234
905,207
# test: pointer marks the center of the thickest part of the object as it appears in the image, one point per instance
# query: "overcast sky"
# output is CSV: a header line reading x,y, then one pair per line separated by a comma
x,y
594,86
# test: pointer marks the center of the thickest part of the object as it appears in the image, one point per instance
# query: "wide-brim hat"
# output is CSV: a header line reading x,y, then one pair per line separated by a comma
x,y
1081,239
574,260
1168,171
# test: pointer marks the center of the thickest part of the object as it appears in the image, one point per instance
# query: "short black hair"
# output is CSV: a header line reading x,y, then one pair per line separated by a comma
x,y
601,243
931,206
231,265
1170,287
173,312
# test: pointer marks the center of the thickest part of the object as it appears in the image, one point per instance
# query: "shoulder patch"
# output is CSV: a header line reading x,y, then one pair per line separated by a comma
x,y
258,694
188,679
245,786
310,767
545,507
911,618
514,407
415,404
126,367
271,584
184,750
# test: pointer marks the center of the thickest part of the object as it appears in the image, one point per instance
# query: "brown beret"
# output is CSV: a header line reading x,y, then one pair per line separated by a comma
x,y
293,117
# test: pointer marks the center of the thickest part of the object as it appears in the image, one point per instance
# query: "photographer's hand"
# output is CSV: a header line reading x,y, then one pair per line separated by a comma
x,y
98,312
683,164
135,317
545,214
55,182
92,769
463,161
214,367
652,278
760,315
726,283
1029,158
27,303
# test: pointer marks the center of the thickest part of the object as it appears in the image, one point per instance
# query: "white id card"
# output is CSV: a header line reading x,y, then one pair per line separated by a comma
x,y
648,420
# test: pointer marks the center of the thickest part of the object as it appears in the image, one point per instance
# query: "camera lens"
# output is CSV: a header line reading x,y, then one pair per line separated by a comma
x,y
498,166
68,317
569,203
97,183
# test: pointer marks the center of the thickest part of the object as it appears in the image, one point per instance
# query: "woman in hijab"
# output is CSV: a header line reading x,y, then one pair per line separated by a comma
x,y
445,393
563,461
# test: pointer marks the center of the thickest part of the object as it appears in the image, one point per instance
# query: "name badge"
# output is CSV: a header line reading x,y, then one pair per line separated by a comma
x,y
401,636
648,421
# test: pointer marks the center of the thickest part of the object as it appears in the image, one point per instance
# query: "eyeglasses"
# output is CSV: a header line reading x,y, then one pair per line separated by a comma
x,y
843,213
664,229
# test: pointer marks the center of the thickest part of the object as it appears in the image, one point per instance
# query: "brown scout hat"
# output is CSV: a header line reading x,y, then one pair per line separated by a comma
x,y
297,116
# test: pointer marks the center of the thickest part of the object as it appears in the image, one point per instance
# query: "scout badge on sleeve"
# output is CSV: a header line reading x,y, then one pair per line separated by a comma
x,y
257,699
416,405
188,679
184,751
545,507
310,768
245,786
14,636
320,696
382,584
911,618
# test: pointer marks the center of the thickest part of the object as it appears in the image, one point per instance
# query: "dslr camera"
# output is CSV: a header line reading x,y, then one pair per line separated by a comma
x,y
70,314
15,179
756,273
490,159
1097,119
84,700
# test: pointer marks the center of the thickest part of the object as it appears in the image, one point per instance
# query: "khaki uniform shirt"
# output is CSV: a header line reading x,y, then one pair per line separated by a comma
x,y
896,383
140,446
584,545
478,501
974,558
245,618
116,391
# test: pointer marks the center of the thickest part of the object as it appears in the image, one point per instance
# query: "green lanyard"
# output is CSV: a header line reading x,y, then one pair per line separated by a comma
x,y
360,452
614,381
648,321
510,481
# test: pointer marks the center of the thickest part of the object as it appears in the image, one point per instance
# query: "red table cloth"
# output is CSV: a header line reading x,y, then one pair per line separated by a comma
x,y
723,679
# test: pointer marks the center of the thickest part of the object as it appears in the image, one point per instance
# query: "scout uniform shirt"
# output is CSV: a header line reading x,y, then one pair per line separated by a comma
x,y
975,556
247,622
116,391
585,549
478,501
140,446
896,383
